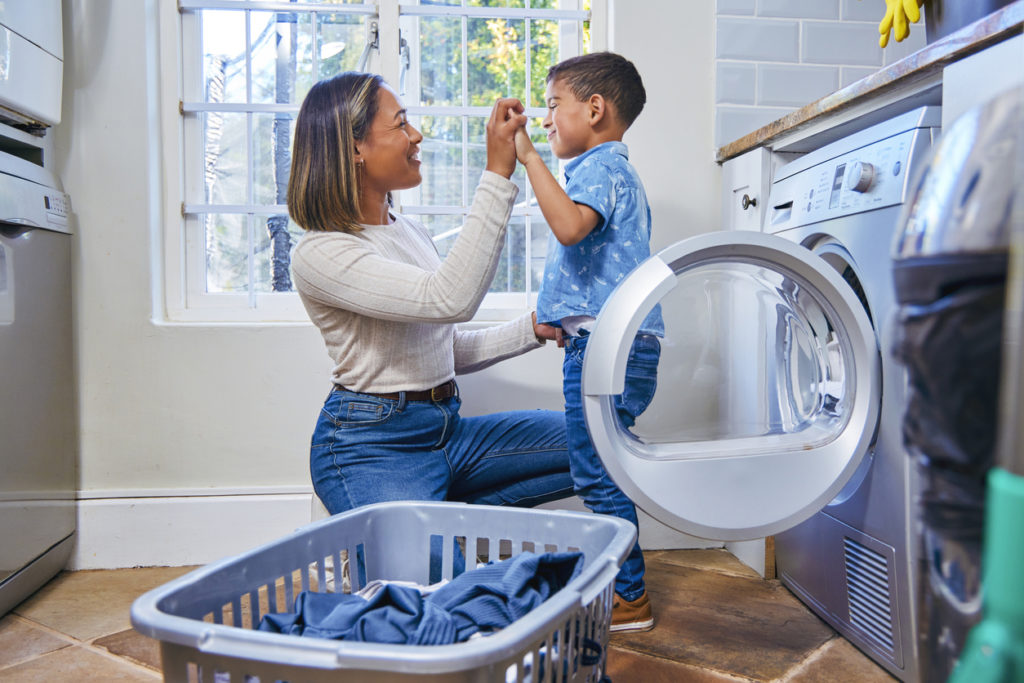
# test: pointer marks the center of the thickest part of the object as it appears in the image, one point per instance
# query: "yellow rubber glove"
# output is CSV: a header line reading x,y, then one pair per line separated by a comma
x,y
896,14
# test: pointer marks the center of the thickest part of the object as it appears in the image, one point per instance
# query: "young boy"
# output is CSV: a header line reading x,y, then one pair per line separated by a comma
x,y
601,230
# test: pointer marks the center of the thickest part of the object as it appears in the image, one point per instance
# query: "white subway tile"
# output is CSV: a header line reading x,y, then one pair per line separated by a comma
x,y
735,83
894,51
746,7
863,10
852,74
847,44
732,123
781,86
758,40
799,9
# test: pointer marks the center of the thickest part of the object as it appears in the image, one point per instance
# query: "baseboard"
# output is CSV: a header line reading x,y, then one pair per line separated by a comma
x,y
758,554
174,528
179,528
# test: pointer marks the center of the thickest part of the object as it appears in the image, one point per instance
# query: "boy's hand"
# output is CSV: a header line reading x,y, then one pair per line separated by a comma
x,y
524,146
506,118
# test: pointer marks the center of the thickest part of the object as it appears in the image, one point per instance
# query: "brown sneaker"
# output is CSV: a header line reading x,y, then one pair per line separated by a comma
x,y
631,616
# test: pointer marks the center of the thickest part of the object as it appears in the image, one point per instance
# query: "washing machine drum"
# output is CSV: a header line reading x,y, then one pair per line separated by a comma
x,y
768,385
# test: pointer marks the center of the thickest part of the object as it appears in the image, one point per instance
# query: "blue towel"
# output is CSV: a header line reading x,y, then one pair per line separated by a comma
x,y
480,600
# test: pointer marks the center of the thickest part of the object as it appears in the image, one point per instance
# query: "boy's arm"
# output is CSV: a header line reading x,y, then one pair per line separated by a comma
x,y
570,222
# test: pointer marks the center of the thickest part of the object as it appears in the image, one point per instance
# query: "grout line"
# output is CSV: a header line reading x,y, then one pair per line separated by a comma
x,y
808,660
75,642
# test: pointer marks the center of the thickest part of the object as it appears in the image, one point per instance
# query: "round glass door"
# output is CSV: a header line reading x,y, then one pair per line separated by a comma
x,y
768,385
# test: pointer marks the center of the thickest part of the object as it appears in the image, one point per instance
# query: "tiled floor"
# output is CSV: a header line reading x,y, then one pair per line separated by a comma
x,y
716,621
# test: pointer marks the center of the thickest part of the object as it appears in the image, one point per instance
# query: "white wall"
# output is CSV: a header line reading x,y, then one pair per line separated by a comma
x,y
169,413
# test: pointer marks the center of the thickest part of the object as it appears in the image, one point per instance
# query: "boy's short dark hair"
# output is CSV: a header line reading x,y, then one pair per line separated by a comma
x,y
607,74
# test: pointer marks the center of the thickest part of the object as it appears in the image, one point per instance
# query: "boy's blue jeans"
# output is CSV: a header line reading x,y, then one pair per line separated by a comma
x,y
367,449
590,479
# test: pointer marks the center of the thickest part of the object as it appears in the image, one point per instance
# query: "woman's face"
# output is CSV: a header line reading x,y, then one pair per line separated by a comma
x,y
390,152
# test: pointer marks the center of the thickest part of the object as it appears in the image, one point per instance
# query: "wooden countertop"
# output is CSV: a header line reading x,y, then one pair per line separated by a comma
x,y
923,65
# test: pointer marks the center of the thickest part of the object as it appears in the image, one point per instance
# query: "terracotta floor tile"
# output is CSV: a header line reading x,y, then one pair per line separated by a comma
x,y
717,622
21,641
94,603
77,664
840,662
134,646
747,627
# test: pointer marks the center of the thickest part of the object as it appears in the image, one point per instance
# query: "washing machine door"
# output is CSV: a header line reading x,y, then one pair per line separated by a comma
x,y
768,385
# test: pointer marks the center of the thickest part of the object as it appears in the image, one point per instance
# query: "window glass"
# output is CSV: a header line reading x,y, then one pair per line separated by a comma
x,y
247,69
224,158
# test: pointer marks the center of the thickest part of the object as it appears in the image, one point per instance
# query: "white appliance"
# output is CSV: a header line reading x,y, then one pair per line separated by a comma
x,y
31,63
779,407
38,477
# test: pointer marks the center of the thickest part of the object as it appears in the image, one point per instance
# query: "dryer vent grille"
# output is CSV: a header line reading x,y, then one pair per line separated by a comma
x,y
870,603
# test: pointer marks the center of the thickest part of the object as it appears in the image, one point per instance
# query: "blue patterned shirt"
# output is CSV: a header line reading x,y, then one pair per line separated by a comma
x,y
578,279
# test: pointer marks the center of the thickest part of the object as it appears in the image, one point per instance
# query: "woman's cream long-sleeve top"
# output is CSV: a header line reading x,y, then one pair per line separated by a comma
x,y
387,305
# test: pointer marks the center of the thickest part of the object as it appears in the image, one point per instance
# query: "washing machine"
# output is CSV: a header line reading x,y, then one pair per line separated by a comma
x,y
778,409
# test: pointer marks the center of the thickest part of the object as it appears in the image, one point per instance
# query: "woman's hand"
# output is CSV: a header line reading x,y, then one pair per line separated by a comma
x,y
543,332
506,118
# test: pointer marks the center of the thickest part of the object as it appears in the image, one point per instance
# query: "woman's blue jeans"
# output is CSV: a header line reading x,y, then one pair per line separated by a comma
x,y
367,449
590,479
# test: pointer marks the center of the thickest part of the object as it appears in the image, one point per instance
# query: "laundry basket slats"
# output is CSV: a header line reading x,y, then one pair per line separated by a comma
x,y
206,620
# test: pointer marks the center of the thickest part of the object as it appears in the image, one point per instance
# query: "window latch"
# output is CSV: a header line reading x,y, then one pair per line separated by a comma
x,y
372,43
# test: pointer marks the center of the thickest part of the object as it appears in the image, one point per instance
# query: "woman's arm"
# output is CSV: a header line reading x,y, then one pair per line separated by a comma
x,y
351,272
479,349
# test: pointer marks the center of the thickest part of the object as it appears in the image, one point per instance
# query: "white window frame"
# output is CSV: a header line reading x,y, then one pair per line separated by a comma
x,y
185,298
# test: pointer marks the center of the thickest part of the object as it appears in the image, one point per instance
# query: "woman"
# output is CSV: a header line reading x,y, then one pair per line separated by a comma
x,y
387,305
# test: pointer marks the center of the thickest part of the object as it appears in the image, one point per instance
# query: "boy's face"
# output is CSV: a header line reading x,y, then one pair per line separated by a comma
x,y
567,121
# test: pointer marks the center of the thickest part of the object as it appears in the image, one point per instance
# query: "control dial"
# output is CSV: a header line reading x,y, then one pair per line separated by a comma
x,y
860,177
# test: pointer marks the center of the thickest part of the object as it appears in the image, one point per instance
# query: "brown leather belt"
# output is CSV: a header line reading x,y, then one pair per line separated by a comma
x,y
442,392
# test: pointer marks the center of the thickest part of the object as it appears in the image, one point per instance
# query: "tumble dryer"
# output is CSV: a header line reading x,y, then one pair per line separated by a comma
x,y
779,406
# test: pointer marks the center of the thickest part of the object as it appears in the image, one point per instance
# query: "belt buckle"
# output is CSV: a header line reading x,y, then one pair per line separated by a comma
x,y
435,392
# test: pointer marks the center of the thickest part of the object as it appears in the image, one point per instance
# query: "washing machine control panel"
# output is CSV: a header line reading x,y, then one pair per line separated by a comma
x,y
871,177
860,176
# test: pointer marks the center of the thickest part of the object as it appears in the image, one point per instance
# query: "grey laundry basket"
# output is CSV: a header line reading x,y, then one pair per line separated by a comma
x,y
205,619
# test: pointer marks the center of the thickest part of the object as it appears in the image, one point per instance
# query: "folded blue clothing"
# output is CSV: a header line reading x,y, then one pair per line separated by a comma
x,y
480,600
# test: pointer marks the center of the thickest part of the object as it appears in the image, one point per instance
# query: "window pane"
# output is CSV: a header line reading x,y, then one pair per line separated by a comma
x,y
224,158
539,235
227,253
275,238
440,53
441,154
476,152
543,55
342,41
223,55
271,157
277,38
511,273
497,62
499,3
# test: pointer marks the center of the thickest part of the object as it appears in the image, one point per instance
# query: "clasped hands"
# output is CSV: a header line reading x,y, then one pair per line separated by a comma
x,y
507,117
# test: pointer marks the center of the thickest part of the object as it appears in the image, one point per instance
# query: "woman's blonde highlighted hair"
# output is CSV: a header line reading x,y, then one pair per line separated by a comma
x,y
323,186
